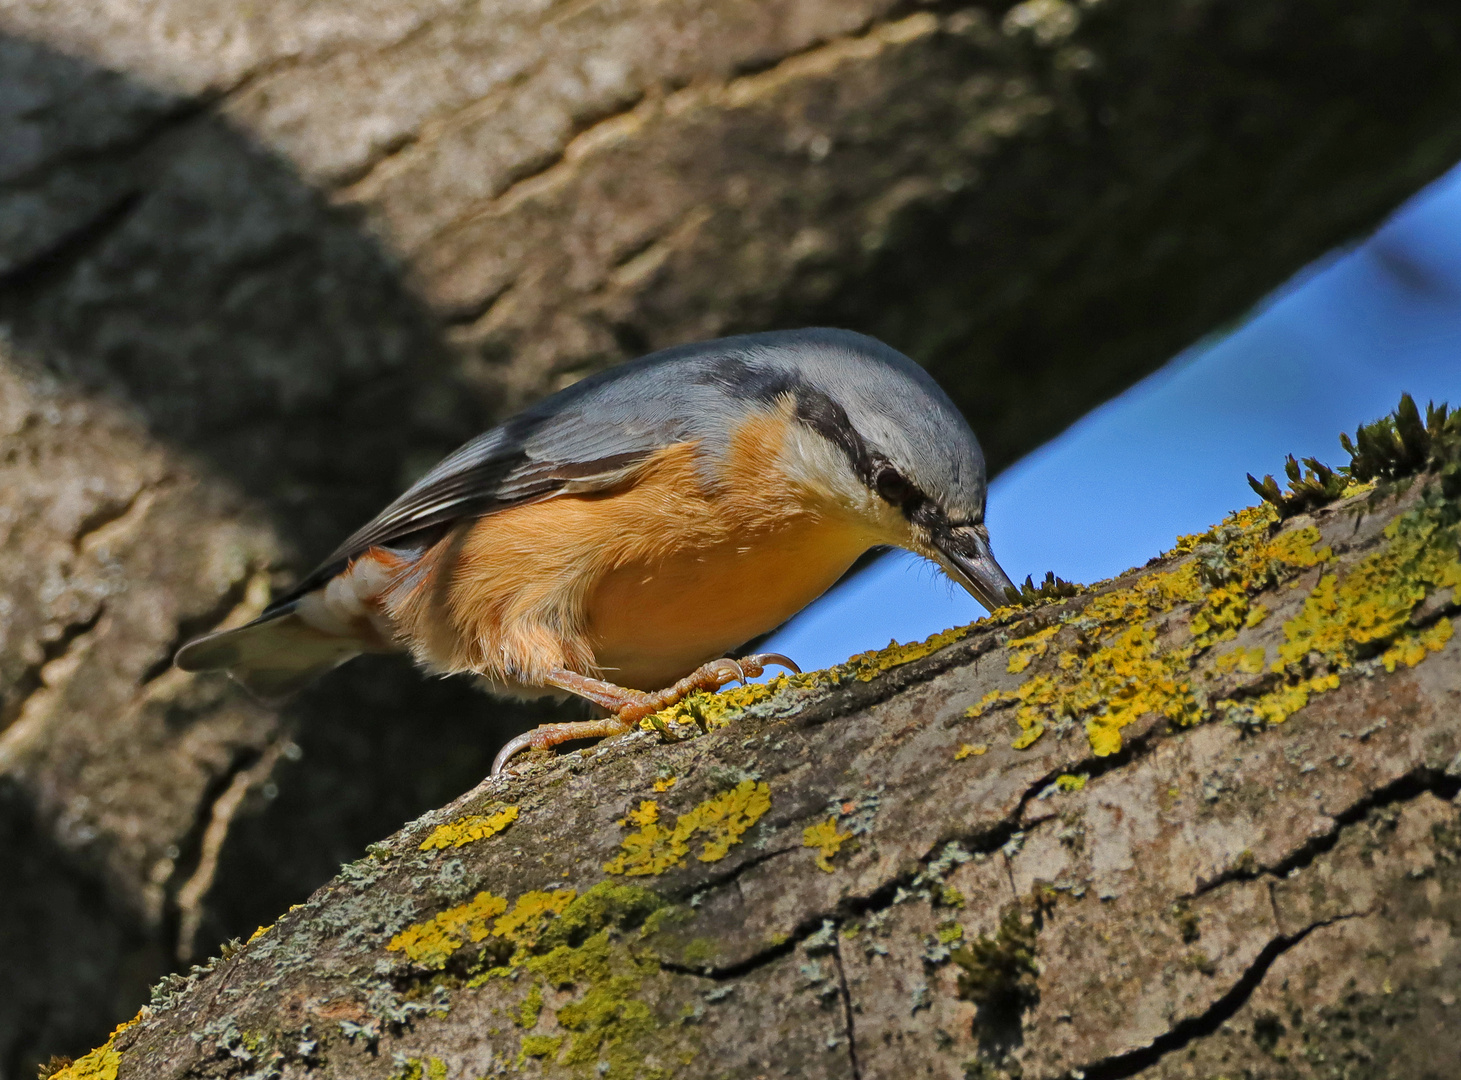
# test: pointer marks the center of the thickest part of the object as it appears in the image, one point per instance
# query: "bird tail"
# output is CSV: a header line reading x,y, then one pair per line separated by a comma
x,y
274,657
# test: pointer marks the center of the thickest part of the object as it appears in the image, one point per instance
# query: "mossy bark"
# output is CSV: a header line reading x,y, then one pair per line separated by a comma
x,y
261,263
875,872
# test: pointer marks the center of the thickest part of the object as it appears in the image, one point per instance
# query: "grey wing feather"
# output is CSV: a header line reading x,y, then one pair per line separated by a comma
x,y
503,468
590,436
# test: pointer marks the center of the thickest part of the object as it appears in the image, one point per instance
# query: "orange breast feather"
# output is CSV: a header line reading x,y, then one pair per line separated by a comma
x,y
639,585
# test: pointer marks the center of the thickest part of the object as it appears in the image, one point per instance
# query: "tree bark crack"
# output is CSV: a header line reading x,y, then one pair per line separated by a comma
x,y
280,64
57,258
987,841
109,514
350,186
31,678
202,623
731,876
846,995
739,88
247,772
1406,788
179,113
1121,1066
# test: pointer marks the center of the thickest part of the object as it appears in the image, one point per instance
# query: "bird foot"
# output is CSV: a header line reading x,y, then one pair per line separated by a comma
x,y
631,706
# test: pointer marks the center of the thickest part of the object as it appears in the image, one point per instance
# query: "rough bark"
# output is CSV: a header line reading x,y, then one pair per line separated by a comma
x,y
261,263
932,862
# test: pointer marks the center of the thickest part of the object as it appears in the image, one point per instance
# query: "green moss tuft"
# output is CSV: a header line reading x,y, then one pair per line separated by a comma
x,y
1401,445
999,974
1031,595
606,1021
1315,485
1386,452
581,946
1188,925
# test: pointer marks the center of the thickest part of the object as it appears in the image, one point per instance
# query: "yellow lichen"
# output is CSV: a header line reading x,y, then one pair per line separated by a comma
x,y
1067,782
1031,731
647,814
827,840
1367,606
531,1009
465,830
1121,667
1296,548
1376,597
718,822
966,750
1124,662
713,710
988,699
432,1068
1248,661
1025,649
531,914
664,783
540,1046
869,665
102,1063
1278,705
1412,649
431,943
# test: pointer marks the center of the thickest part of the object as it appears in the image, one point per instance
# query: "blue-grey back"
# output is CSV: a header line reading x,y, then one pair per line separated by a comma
x,y
695,392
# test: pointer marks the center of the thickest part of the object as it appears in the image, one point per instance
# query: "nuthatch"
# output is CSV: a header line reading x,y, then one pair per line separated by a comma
x,y
625,533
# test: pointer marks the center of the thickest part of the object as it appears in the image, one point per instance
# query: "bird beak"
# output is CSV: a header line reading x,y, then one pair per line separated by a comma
x,y
970,562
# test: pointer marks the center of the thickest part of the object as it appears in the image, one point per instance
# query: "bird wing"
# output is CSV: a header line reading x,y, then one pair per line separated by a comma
x,y
523,461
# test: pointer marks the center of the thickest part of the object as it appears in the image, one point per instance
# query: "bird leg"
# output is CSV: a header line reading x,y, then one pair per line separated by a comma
x,y
628,707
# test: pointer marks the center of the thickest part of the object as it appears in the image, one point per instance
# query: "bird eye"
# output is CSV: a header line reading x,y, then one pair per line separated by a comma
x,y
892,486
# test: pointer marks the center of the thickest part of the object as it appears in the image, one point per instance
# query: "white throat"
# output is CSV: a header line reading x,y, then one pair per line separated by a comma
x,y
820,472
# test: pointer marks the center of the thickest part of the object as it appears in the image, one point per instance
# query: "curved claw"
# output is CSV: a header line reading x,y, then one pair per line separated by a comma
x,y
510,750
767,659
740,671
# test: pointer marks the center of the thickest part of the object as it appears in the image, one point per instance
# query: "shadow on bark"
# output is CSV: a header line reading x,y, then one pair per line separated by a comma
x,y
152,256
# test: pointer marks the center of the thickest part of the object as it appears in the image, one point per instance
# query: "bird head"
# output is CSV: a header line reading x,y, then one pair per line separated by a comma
x,y
876,435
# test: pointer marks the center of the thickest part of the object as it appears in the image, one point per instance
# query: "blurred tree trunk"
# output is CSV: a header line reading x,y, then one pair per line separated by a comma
x,y
1245,861
260,264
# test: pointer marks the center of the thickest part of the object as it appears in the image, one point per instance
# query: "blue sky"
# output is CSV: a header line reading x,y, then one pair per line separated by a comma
x,y
1332,348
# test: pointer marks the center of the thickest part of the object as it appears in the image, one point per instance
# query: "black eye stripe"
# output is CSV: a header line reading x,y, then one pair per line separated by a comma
x,y
824,416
